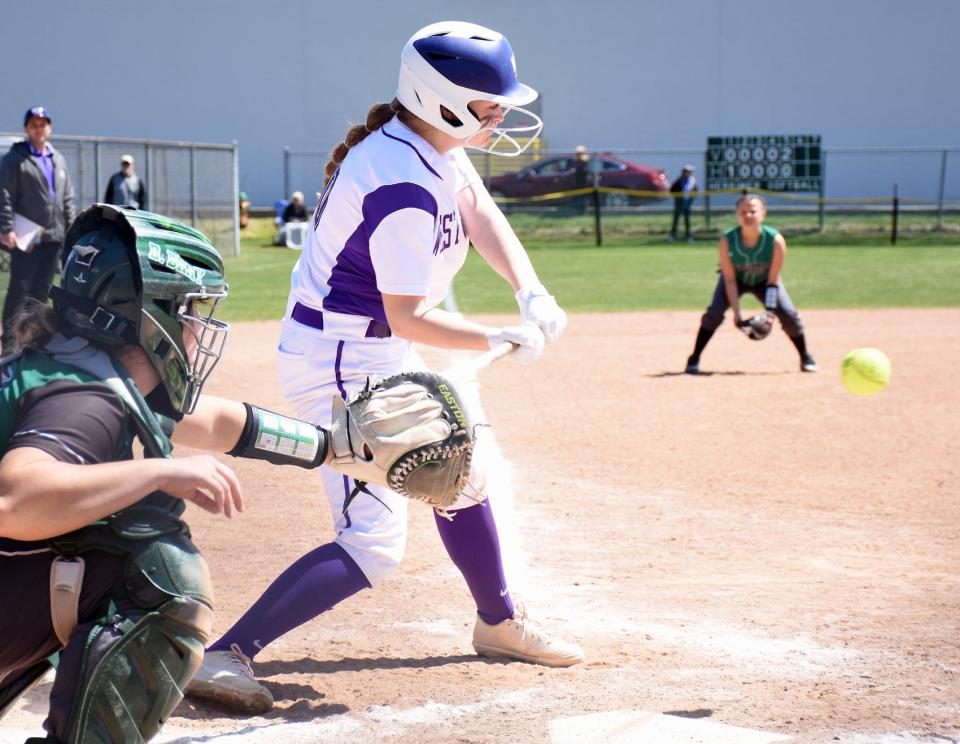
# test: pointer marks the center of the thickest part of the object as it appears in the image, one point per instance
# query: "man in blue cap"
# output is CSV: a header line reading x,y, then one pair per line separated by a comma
x,y
34,188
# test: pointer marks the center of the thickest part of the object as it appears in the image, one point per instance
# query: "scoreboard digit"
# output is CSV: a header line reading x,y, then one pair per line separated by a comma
x,y
769,162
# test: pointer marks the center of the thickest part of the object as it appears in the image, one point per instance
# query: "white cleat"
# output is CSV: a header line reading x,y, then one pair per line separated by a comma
x,y
809,364
520,638
226,677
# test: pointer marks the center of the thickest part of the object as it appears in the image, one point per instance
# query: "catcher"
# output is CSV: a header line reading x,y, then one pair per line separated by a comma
x,y
96,563
751,259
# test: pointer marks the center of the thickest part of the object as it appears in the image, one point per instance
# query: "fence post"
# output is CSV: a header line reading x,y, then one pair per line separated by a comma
x,y
193,186
147,170
96,169
896,210
823,188
236,199
943,182
80,195
286,172
597,227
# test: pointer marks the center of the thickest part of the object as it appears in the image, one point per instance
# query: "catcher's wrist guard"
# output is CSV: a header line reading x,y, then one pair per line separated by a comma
x,y
280,439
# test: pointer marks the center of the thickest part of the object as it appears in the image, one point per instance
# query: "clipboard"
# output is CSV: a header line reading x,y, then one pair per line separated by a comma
x,y
27,231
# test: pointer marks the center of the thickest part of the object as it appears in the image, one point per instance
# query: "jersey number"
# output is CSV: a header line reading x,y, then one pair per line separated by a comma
x,y
324,196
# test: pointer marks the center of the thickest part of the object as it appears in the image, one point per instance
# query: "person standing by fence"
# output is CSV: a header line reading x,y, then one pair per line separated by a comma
x,y
684,190
125,187
34,186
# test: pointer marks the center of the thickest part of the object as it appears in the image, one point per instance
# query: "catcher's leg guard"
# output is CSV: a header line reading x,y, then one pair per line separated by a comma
x,y
133,671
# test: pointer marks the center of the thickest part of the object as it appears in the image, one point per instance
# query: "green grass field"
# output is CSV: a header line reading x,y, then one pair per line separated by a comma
x,y
852,265
636,271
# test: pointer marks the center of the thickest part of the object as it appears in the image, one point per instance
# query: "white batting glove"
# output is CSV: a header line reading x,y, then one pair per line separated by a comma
x,y
539,306
527,336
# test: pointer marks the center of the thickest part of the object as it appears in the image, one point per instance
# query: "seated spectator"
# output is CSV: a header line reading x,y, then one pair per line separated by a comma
x,y
295,211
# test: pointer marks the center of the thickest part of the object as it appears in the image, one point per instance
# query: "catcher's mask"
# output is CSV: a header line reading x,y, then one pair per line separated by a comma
x,y
138,278
758,327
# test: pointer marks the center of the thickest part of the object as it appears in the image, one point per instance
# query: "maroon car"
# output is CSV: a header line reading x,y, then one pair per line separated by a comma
x,y
558,173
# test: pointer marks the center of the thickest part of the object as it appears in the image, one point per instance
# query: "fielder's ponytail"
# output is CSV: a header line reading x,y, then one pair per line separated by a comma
x,y
378,115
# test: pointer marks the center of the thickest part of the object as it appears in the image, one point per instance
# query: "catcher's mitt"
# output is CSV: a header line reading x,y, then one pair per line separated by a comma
x,y
409,432
758,327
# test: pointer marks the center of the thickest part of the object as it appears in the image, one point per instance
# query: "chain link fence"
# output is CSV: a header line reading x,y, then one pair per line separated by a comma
x,y
195,183
858,182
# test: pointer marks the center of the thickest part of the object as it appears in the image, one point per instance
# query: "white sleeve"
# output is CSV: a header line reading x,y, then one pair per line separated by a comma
x,y
465,173
401,250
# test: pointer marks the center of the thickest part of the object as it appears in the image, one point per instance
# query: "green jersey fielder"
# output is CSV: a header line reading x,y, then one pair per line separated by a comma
x,y
751,257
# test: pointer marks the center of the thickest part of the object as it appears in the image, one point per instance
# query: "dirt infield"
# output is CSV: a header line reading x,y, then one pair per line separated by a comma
x,y
752,546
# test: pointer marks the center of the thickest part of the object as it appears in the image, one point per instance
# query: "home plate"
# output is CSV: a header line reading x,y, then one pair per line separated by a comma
x,y
640,727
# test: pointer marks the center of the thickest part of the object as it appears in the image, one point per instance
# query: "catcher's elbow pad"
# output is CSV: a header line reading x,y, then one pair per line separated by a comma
x,y
280,439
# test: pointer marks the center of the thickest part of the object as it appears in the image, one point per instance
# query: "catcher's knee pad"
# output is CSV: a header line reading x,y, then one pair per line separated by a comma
x,y
135,669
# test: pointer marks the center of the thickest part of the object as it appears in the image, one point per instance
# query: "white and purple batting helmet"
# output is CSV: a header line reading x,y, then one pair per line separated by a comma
x,y
452,63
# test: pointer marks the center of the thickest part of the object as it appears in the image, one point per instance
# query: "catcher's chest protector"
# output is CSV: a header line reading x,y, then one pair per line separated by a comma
x,y
144,649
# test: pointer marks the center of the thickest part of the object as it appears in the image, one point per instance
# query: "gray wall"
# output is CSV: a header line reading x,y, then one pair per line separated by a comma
x,y
613,73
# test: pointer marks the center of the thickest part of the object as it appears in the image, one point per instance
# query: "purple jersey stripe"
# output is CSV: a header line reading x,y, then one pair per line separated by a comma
x,y
353,282
414,148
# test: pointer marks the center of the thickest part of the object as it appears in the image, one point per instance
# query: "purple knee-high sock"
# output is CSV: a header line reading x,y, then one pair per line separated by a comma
x,y
473,546
314,584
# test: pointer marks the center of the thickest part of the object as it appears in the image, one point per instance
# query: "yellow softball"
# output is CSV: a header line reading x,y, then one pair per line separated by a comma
x,y
865,371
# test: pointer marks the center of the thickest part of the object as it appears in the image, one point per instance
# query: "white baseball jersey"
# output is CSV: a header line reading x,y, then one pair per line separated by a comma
x,y
387,222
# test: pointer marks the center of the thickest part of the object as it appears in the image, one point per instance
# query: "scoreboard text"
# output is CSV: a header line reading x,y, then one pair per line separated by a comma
x,y
772,163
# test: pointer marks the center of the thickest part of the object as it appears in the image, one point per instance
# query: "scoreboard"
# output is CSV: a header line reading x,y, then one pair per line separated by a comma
x,y
772,163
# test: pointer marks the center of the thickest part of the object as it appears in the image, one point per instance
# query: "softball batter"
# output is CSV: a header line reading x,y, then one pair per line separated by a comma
x,y
389,234
751,259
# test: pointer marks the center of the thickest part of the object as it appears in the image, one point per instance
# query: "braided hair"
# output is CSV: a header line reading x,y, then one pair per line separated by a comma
x,y
378,115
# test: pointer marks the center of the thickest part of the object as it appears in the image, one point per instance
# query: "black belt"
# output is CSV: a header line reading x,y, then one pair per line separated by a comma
x,y
314,318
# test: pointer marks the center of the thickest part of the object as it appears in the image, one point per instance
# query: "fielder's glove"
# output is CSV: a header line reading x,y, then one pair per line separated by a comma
x,y
758,327
409,432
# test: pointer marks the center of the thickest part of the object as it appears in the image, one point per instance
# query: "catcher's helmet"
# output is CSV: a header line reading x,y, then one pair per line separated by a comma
x,y
452,63
141,279
758,327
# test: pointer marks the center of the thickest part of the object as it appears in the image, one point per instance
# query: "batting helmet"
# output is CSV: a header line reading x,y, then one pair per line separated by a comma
x,y
136,278
448,65
758,327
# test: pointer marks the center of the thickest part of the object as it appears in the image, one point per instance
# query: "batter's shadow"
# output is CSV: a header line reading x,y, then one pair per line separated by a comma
x,y
307,706
307,698
332,666
719,373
